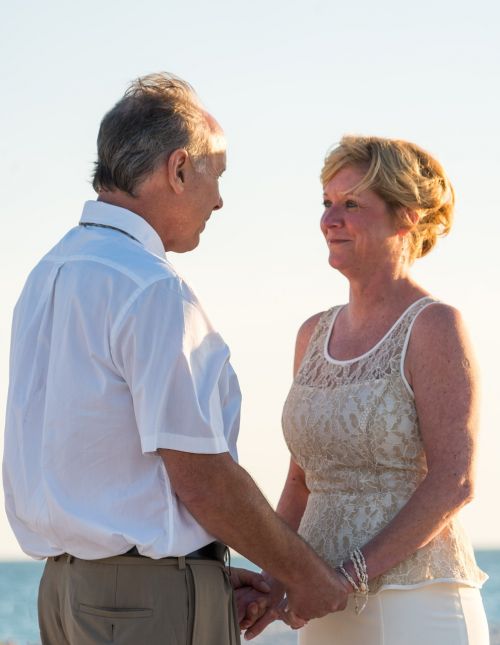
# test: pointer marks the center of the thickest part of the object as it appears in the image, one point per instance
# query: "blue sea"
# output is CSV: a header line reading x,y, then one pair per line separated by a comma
x,y
19,586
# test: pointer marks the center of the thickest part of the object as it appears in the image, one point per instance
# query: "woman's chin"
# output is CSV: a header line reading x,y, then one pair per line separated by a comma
x,y
336,262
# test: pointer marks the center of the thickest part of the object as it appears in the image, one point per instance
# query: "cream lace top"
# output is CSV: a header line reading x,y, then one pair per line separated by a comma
x,y
352,427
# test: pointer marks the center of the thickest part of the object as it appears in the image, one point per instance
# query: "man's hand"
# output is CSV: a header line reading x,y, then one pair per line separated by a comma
x,y
311,599
318,597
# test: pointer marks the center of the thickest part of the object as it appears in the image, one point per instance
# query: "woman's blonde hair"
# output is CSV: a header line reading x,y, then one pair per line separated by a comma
x,y
407,178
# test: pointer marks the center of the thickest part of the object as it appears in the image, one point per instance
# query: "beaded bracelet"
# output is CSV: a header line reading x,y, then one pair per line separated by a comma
x,y
361,587
358,560
348,577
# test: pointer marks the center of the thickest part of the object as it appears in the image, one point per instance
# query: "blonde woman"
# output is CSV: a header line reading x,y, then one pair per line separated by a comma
x,y
381,419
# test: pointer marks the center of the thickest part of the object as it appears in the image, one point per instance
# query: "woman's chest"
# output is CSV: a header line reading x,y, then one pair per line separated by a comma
x,y
363,425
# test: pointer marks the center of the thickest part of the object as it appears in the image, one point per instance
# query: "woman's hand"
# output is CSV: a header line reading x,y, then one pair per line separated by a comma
x,y
252,595
275,603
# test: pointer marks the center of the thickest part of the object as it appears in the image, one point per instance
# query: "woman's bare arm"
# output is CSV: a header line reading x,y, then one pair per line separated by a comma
x,y
293,499
442,372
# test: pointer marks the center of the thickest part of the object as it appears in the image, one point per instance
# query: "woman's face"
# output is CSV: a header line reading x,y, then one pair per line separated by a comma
x,y
360,232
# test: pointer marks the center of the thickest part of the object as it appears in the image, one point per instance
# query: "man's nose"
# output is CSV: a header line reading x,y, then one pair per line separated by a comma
x,y
219,204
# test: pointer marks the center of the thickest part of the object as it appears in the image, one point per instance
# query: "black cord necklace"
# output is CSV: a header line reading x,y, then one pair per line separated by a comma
x,y
114,228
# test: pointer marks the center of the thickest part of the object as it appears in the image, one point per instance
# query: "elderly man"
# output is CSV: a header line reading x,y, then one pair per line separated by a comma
x,y
120,462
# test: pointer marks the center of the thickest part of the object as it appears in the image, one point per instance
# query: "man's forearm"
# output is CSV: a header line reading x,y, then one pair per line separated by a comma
x,y
226,501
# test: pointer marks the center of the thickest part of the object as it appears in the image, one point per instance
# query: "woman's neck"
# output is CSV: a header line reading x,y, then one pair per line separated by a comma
x,y
382,294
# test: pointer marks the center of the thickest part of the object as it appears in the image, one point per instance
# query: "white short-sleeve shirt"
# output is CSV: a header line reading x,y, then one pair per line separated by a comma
x,y
112,357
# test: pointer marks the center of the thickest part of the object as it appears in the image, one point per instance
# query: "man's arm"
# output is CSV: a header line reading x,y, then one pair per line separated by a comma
x,y
227,503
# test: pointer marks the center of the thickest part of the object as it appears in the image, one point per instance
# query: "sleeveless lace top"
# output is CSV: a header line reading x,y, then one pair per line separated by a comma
x,y
352,427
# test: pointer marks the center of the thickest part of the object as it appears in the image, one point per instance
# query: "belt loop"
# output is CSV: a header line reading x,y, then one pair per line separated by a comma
x,y
69,558
227,558
181,562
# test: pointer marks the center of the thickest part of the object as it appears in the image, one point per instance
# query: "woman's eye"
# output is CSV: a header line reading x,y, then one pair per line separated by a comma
x,y
350,203
327,203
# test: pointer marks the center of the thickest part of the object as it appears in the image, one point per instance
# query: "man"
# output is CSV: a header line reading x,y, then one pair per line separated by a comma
x,y
120,452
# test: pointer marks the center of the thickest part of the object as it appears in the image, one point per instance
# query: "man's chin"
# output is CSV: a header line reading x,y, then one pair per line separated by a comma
x,y
186,246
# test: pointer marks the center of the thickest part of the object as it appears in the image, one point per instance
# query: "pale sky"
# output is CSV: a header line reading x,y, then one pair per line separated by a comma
x,y
285,79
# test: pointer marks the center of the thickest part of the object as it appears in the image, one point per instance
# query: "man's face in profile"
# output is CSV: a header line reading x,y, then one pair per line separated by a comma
x,y
202,197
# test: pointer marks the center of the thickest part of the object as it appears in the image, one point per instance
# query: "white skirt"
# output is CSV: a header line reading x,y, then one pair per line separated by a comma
x,y
434,614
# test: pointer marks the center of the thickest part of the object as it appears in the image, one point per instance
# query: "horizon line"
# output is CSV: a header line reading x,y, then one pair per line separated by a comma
x,y
22,557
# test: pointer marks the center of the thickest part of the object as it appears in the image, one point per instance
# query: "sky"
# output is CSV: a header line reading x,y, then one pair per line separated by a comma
x,y
286,79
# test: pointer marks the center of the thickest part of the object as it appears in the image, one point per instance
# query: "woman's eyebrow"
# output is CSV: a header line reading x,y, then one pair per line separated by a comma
x,y
347,193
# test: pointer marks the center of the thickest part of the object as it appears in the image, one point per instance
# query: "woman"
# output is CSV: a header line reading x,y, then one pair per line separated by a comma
x,y
381,420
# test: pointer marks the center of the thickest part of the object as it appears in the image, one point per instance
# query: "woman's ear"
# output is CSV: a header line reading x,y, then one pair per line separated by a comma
x,y
411,217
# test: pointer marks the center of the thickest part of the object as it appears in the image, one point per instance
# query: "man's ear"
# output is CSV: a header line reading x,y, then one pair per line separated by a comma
x,y
176,169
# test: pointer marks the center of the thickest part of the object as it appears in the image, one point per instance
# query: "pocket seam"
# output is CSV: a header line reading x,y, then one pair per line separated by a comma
x,y
114,613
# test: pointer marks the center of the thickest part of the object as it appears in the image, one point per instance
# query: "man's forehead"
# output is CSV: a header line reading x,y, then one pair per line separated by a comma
x,y
218,141
216,133
219,161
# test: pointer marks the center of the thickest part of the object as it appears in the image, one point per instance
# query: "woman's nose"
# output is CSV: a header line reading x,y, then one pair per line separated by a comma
x,y
331,217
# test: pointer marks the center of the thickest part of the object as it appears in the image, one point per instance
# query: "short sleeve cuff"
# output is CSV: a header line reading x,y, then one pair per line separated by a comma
x,y
198,445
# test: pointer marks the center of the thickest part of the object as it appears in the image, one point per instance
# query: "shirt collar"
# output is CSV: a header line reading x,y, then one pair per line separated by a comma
x,y
95,212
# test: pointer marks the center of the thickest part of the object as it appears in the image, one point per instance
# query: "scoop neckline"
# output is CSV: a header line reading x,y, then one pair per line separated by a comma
x,y
337,361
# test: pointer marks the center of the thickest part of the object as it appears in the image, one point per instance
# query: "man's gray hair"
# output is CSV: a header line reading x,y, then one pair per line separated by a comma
x,y
158,114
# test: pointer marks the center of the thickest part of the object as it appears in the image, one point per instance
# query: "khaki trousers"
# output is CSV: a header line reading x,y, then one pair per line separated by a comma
x,y
129,600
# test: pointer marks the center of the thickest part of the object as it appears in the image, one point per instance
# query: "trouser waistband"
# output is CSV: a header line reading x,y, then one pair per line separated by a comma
x,y
213,551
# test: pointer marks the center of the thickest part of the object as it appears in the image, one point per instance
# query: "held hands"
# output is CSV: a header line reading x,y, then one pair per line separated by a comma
x,y
271,611
252,593
277,609
319,596
311,599
261,599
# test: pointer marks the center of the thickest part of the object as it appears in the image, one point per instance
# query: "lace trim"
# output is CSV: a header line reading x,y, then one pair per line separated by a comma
x,y
337,310
318,369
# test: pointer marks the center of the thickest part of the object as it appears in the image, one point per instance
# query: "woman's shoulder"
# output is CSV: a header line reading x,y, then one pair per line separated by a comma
x,y
308,330
439,330
309,326
437,319
304,336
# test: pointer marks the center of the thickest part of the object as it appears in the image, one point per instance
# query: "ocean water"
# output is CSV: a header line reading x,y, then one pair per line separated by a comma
x,y
19,585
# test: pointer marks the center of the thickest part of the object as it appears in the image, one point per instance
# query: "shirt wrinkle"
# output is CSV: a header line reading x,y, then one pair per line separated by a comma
x,y
112,357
